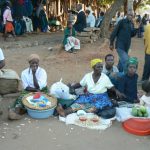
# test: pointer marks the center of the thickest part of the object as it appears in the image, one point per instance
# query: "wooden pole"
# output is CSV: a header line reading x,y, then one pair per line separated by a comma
x,y
58,8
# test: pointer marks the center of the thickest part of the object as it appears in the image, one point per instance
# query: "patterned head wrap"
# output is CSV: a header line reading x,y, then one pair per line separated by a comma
x,y
95,61
132,60
33,56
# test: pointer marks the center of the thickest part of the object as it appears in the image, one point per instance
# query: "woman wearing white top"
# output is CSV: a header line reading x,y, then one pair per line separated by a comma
x,y
34,79
96,97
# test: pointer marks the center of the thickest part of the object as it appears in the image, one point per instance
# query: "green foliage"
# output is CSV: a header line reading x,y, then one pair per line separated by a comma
x,y
144,3
104,2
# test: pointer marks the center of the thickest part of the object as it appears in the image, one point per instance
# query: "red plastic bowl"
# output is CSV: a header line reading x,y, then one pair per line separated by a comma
x,y
137,126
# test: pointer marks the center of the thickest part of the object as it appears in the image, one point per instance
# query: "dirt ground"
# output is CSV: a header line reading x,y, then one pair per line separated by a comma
x,y
50,133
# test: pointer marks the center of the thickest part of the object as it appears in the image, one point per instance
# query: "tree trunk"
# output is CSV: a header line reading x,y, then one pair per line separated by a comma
x,y
104,32
130,6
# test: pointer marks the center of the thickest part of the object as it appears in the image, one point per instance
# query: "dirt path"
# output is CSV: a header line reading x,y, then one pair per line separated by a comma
x,y
50,133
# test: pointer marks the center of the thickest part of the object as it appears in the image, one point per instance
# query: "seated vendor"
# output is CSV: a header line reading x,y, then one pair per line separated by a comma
x,y
2,64
128,82
110,69
34,79
70,42
96,97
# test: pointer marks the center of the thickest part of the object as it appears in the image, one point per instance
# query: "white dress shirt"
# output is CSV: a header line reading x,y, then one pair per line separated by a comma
x,y
27,78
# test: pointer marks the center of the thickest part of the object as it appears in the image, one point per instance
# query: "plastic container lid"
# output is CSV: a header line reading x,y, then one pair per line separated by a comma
x,y
137,126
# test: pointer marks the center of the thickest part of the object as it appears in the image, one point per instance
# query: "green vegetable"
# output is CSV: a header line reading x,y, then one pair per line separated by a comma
x,y
140,113
145,115
143,109
134,111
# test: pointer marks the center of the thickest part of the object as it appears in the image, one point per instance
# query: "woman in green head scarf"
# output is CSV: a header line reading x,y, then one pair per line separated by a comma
x,y
128,82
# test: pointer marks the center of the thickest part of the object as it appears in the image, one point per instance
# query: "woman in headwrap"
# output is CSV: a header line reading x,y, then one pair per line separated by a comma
x,y
128,82
96,97
34,79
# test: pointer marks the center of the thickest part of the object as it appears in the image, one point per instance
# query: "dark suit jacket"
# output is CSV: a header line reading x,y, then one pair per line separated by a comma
x,y
80,23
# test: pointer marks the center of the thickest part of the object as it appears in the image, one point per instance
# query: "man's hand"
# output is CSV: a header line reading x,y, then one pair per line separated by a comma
x,y
120,95
111,47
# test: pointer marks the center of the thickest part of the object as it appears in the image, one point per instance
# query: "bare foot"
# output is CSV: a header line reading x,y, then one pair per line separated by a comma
x,y
91,110
60,110
13,115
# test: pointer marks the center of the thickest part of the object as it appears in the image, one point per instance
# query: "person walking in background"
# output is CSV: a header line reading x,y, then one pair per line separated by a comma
x,y
124,31
8,20
80,23
146,71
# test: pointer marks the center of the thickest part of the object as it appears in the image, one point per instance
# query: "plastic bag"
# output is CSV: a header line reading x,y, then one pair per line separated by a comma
x,y
60,90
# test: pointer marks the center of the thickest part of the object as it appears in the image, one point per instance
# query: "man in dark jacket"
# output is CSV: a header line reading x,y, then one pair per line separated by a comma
x,y
123,33
80,23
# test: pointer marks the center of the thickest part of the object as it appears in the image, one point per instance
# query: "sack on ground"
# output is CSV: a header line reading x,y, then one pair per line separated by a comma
x,y
60,90
9,81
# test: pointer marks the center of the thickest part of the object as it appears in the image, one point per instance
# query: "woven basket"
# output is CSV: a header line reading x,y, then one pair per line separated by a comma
x,y
50,98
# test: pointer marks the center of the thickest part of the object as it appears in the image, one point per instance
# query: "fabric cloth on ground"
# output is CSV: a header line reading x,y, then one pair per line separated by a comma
x,y
72,42
88,101
1,55
74,120
124,113
27,78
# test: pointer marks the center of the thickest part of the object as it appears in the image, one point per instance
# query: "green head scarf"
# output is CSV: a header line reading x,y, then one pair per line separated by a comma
x,y
133,61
